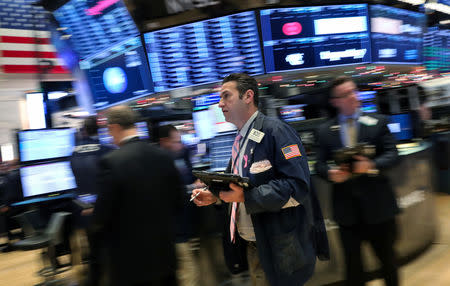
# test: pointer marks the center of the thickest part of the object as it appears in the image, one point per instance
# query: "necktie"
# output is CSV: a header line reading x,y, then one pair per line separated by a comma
x,y
235,165
351,132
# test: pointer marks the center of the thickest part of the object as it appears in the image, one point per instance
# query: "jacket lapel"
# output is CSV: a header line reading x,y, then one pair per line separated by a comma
x,y
250,149
335,134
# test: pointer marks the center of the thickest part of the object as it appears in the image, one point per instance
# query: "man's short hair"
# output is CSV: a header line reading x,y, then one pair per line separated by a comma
x,y
244,82
340,80
122,115
90,125
165,130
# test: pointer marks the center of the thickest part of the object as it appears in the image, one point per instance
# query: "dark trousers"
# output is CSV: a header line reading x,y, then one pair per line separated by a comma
x,y
381,237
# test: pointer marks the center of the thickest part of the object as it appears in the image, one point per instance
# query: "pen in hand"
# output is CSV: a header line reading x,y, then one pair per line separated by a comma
x,y
203,189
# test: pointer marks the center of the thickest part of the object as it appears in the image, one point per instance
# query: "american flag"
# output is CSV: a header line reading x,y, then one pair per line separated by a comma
x,y
25,45
291,151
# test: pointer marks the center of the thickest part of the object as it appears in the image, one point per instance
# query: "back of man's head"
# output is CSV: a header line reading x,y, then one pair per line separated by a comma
x,y
165,131
90,126
244,82
122,115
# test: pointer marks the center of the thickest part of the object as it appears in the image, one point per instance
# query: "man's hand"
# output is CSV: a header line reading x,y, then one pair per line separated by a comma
x,y
235,194
204,198
338,175
363,165
198,184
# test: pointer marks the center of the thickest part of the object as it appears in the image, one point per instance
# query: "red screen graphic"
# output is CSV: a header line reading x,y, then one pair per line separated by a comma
x,y
293,28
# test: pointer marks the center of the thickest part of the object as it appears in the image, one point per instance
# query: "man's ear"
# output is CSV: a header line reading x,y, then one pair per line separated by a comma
x,y
249,96
333,102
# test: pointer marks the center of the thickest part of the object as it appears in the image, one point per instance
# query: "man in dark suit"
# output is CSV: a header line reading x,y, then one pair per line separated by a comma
x,y
278,220
133,219
364,203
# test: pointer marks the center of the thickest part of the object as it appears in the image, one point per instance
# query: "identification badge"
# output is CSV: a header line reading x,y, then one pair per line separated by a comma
x,y
367,120
256,135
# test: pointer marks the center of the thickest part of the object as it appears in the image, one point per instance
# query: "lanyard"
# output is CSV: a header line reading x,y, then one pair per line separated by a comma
x,y
241,145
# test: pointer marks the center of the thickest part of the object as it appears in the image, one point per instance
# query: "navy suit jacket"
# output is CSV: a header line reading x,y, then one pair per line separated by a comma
x,y
364,199
288,239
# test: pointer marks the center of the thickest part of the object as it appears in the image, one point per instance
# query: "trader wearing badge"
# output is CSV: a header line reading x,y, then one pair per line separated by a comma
x,y
364,203
276,226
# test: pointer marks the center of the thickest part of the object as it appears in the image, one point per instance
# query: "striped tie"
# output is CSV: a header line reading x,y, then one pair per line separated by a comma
x,y
234,154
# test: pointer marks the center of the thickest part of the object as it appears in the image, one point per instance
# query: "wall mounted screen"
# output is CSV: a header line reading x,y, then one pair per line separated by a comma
x,y
118,74
95,25
396,34
204,52
309,37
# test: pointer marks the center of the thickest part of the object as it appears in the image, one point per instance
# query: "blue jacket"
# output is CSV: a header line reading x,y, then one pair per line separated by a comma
x,y
288,240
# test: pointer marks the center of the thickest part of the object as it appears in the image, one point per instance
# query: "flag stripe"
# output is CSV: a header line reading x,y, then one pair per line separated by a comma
x,y
26,47
27,61
29,54
24,33
31,69
25,40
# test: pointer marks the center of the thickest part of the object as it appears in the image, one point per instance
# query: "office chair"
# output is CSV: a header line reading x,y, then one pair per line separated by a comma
x,y
50,239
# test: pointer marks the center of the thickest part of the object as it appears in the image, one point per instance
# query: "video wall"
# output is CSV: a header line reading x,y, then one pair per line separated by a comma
x,y
119,67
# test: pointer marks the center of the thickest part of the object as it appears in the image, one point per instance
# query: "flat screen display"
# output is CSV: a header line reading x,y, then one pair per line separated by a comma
x,y
436,49
400,125
396,34
320,36
95,25
118,74
38,180
292,113
204,51
105,139
368,101
44,144
220,150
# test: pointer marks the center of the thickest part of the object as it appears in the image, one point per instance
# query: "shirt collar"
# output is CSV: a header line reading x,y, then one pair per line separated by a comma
x,y
247,124
128,138
355,116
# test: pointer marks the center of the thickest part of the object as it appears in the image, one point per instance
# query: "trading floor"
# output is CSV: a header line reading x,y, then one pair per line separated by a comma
x,y
431,268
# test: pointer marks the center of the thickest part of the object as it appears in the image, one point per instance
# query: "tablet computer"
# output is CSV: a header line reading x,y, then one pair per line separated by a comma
x,y
218,182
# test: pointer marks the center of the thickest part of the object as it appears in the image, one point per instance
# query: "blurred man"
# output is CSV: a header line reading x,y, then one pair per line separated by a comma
x,y
141,191
85,157
364,203
279,217
188,268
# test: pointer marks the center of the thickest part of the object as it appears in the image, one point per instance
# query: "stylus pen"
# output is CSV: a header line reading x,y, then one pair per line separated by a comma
x,y
203,189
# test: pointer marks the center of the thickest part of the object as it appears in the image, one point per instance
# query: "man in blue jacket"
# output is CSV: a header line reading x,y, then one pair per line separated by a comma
x,y
278,220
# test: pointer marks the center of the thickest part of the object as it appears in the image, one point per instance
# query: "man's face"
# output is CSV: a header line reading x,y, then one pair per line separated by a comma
x,y
232,106
114,131
345,98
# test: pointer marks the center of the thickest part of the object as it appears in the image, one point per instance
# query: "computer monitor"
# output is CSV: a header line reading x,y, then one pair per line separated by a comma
x,y
317,36
368,101
292,113
106,139
48,178
401,126
220,150
45,144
